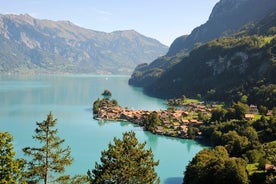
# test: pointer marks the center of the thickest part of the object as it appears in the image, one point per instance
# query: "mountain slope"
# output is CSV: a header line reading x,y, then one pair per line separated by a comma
x,y
227,17
241,67
32,45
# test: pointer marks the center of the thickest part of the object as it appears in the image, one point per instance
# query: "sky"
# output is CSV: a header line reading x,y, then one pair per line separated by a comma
x,y
163,20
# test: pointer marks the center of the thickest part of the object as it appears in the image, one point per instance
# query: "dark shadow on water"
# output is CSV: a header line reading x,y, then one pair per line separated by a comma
x,y
175,180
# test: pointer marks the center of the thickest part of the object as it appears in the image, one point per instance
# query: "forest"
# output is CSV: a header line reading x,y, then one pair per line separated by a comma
x,y
243,151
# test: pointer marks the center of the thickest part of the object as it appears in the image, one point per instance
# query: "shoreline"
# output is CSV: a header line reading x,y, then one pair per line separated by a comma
x,y
171,122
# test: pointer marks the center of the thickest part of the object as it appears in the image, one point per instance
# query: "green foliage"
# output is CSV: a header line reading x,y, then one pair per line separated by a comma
x,y
50,157
152,121
125,161
182,101
263,110
96,106
262,161
266,128
215,166
264,94
270,152
106,94
192,131
270,178
226,69
77,179
100,102
146,74
11,169
237,136
234,143
245,139
254,155
218,114
236,111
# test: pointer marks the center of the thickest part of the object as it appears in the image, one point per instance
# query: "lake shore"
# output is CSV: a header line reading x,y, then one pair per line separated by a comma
x,y
171,122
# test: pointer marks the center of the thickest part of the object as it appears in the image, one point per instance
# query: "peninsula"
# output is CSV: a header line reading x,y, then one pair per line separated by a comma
x,y
173,122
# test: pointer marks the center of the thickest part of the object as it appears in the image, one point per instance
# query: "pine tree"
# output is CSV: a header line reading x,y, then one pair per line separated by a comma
x,y
125,162
10,168
50,157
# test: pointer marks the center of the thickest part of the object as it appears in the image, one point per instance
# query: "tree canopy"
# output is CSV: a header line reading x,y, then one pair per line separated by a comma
x,y
152,121
50,157
10,168
106,94
215,166
125,162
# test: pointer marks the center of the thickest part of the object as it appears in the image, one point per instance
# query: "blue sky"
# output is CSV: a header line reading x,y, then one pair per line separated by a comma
x,y
163,20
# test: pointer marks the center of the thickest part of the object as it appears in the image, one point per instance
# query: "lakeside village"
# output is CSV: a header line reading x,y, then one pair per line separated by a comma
x,y
181,122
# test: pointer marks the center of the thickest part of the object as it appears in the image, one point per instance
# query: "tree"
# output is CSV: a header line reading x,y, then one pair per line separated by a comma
x,y
192,131
125,162
263,110
241,109
107,94
96,106
234,143
218,114
215,166
244,98
152,121
10,168
50,157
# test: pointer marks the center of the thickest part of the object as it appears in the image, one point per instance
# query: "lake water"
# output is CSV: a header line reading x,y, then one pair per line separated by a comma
x,y
26,100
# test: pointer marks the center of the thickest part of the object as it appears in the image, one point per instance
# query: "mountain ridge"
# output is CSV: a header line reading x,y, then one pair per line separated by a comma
x,y
62,46
226,18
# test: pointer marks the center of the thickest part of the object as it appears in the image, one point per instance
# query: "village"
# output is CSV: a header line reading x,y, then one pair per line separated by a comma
x,y
173,122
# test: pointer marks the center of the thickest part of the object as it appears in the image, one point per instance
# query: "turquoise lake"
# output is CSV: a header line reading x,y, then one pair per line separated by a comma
x,y
26,100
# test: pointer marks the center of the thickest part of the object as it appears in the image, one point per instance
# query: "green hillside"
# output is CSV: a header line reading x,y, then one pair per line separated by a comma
x,y
227,18
225,69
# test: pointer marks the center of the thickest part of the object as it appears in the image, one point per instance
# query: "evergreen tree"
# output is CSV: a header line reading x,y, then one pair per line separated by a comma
x,y
107,94
10,168
50,157
125,162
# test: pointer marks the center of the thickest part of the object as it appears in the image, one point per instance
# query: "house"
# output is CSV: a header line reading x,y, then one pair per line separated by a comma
x,y
269,113
185,121
249,116
253,109
269,167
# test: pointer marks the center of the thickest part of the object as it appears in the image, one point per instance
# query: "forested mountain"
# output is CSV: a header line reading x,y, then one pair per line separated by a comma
x,y
225,69
33,45
227,17
241,66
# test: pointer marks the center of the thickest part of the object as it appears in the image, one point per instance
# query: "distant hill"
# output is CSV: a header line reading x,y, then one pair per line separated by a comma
x,y
31,45
226,18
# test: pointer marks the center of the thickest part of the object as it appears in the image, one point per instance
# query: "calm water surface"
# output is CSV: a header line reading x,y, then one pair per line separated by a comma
x,y
27,99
